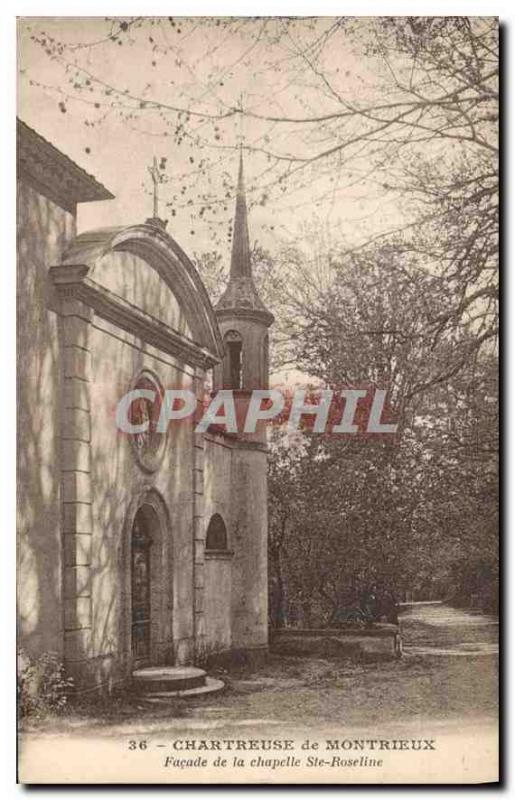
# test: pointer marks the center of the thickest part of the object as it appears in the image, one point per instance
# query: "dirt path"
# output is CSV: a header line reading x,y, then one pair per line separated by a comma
x,y
437,629
432,681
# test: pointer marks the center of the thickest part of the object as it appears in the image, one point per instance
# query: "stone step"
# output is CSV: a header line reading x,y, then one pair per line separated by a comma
x,y
152,680
211,686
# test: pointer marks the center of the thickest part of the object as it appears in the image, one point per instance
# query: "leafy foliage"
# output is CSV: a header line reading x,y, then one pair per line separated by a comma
x,y
43,686
419,513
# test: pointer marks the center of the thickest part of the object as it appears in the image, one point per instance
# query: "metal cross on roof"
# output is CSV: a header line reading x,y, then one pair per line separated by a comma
x,y
157,176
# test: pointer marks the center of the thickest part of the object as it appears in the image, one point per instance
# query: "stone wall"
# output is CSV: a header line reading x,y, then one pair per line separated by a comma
x,y
218,581
129,276
120,486
43,231
249,541
235,486
377,642
218,566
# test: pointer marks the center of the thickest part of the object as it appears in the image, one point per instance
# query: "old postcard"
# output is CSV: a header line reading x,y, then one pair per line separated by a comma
x,y
257,400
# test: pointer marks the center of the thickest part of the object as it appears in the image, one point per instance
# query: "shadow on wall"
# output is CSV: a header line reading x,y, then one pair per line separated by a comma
x,y
117,482
43,230
131,277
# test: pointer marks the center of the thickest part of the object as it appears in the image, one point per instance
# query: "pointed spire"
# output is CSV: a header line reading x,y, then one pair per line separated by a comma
x,y
240,256
240,298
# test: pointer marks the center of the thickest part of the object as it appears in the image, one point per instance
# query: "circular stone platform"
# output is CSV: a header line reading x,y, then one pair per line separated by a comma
x,y
169,679
211,686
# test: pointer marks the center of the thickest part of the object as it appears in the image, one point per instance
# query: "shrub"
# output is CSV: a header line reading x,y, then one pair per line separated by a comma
x,y
43,687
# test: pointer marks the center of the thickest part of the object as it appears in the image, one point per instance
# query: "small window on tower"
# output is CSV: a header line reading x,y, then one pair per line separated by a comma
x,y
233,359
216,536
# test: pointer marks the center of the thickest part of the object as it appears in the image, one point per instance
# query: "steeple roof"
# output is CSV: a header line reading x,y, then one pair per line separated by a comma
x,y
241,297
240,256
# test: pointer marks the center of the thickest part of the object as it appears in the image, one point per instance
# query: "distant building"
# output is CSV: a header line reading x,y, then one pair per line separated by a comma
x,y
133,550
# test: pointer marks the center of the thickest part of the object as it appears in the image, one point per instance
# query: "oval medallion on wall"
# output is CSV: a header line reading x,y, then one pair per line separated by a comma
x,y
148,446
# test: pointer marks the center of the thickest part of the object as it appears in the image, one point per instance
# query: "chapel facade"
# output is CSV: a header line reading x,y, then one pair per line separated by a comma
x,y
136,550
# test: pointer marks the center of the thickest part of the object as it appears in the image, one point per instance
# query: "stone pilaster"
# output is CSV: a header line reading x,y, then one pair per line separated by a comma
x,y
198,519
76,480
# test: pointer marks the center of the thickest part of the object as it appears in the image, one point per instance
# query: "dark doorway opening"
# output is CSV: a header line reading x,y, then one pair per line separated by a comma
x,y
233,363
141,577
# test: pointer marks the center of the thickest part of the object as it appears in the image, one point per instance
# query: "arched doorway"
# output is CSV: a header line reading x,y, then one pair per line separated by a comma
x,y
141,582
148,592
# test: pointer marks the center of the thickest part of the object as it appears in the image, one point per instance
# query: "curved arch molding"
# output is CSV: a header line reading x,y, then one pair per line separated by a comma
x,y
75,277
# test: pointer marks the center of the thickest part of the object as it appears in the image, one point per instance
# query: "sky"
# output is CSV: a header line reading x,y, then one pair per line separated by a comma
x,y
89,86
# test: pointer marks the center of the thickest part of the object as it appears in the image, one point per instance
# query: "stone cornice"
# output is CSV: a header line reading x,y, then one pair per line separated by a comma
x,y
255,315
241,299
238,441
72,280
52,173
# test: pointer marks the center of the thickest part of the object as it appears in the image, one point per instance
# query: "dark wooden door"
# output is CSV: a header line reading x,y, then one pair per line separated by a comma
x,y
141,588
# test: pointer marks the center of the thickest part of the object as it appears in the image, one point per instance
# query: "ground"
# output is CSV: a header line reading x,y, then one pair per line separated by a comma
x,y
447,677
